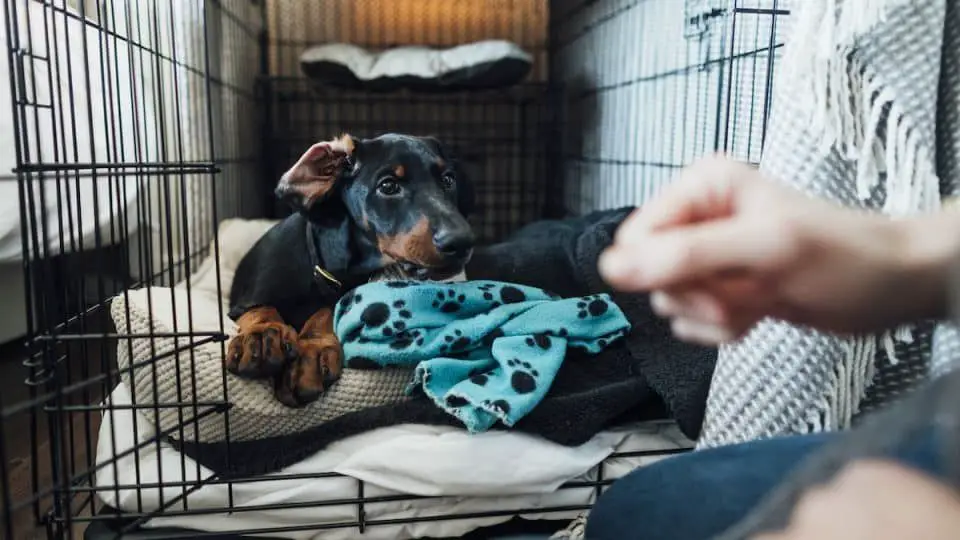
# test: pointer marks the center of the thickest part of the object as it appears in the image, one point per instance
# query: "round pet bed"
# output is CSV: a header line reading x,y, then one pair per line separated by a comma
x,y
474,66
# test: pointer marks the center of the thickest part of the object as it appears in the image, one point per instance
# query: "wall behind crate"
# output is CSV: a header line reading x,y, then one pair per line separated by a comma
x,y
499,136
634,114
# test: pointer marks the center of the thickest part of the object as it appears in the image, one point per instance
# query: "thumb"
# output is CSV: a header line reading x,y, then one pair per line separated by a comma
x,y
675,256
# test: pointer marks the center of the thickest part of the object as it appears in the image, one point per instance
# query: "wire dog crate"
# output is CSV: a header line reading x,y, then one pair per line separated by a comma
x,y
137,127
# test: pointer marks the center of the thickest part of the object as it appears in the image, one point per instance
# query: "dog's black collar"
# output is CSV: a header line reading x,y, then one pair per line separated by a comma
x,y
323,272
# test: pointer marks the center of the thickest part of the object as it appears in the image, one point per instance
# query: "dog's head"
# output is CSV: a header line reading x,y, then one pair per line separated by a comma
x,y
405,195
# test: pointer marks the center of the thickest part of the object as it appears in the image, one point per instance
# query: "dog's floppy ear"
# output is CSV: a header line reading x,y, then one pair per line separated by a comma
x,y
313,177
466,196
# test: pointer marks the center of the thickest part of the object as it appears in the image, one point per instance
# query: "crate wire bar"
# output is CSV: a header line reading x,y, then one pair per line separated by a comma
x,y
138,126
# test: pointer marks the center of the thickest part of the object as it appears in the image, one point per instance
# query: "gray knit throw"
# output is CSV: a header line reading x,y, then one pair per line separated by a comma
x,y
912,54
865,113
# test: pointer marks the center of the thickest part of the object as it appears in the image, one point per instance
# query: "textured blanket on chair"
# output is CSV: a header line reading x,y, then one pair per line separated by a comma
x,y
865,113
902,60
481,350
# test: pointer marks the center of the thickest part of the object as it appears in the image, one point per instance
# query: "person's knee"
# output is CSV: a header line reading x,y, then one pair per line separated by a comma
x,y
695,495
638,505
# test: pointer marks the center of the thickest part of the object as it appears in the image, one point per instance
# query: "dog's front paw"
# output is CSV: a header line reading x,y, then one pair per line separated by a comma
x,y
261,350
316,368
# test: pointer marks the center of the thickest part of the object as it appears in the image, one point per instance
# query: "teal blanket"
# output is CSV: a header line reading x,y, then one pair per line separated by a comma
x,y
481,350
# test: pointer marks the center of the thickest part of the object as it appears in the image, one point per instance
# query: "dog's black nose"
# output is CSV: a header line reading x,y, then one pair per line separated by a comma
x,y
453,242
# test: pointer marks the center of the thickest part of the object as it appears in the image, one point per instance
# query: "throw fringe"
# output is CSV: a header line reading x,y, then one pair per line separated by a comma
x,y
849,104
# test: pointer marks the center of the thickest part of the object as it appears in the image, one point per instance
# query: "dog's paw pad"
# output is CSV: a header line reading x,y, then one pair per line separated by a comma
x,y
314,371
261,350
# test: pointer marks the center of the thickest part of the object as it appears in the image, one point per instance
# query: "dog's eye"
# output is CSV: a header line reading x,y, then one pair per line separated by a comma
x,y
448,181
388,186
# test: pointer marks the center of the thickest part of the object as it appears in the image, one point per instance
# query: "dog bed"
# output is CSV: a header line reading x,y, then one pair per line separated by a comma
x,y
461,473
166,370
474,66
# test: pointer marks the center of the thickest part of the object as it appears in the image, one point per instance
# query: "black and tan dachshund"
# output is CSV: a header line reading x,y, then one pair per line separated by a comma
x,y
362,205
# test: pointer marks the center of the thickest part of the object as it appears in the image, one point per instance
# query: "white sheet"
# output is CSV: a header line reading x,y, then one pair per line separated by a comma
x,y
78,228
472,473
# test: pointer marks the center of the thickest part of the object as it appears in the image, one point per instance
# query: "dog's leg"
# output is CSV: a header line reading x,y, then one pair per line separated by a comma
x,y
316,367
262,346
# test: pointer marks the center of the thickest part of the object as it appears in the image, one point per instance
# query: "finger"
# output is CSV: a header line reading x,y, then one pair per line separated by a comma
x,y
700,332
674,258
736,318
695,304
702,191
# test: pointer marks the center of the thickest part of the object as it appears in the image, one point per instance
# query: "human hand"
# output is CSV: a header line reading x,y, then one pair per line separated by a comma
x,y
874,500
723,247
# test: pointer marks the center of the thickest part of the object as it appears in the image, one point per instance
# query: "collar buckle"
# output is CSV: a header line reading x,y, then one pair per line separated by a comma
x,y
321,275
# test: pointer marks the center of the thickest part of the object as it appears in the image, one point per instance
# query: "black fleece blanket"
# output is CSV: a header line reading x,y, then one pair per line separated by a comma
x,y
647,375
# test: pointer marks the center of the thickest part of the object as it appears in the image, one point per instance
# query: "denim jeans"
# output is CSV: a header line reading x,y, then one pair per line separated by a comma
x,y
698,495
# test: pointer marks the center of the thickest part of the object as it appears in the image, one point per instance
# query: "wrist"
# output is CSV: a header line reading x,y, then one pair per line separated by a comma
x,y
930,246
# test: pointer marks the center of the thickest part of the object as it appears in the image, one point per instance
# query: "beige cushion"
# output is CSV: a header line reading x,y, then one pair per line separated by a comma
x,y
167,371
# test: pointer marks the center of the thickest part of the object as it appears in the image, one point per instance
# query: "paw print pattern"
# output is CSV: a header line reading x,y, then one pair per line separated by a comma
x,y
406,338
455,342
524,377
498,405
541,341
591,306
354,335
479,379
448,301
455,402
389,320
487,291
494,335
506,295
400,325
375,315
347,302
362,362
611,337
511,295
